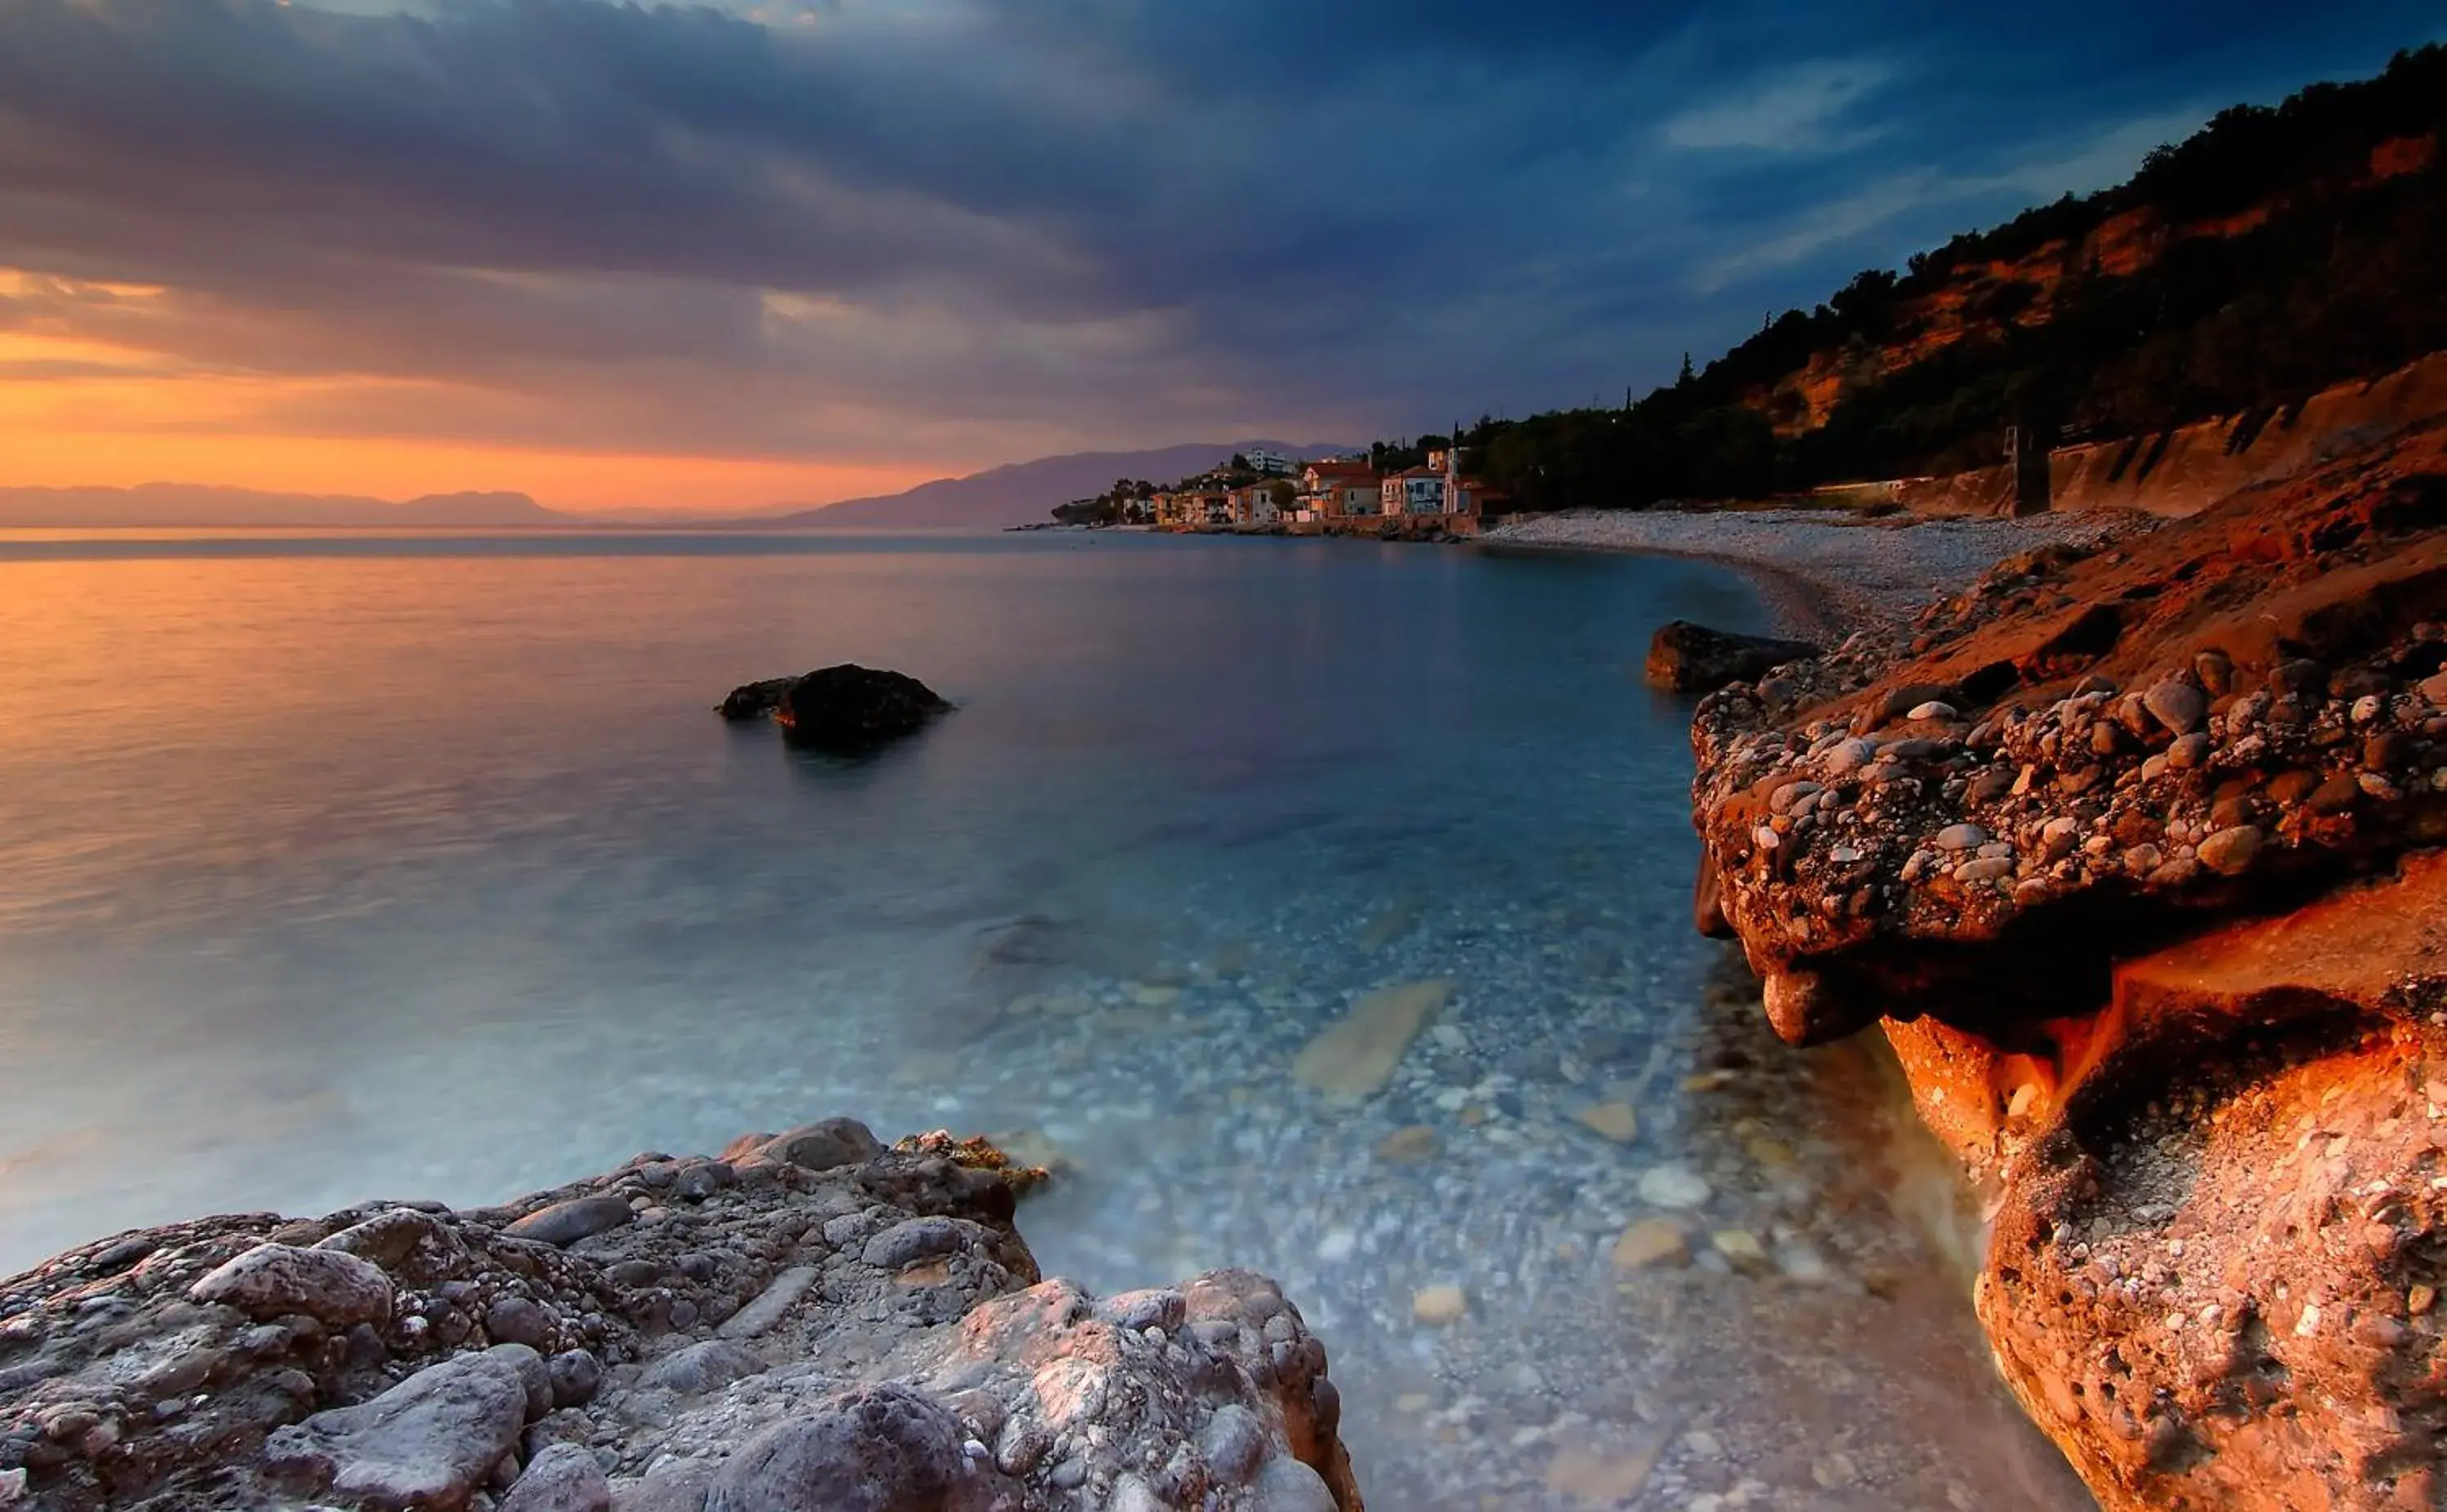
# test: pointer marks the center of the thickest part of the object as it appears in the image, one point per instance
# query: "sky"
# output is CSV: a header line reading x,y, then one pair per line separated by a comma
x,y
724,256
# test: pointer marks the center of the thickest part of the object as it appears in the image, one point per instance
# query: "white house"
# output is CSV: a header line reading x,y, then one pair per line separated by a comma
x,y
1418,491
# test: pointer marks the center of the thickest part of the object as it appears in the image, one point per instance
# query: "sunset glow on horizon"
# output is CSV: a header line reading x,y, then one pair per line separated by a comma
x,y
710,257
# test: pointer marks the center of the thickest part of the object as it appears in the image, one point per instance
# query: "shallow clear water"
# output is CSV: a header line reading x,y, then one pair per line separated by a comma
x,y
419,867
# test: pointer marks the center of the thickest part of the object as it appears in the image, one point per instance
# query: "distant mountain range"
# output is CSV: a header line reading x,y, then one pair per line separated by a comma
x,y
197,506
1024,493
1017,494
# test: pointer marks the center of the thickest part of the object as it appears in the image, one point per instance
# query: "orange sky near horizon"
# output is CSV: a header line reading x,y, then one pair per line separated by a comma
x,y
83,413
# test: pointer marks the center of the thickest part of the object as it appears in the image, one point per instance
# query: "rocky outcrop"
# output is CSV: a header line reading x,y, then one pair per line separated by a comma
x,y
1688,658
2130,849
812,1322
845,711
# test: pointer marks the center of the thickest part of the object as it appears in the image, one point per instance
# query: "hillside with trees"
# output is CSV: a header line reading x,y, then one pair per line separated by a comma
x,y
2276,251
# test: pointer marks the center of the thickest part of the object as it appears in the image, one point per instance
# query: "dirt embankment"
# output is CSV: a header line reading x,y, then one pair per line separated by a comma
x,y
2134,853
2189,469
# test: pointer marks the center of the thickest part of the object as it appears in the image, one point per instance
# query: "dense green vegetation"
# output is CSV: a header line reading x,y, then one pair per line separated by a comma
x,y
2341,279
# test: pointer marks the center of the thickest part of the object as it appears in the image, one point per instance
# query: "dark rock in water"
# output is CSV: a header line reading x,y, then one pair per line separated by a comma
x,y
1688,658
755,700
849,709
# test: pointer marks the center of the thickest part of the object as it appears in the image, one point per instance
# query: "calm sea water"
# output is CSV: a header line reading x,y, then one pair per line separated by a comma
x,y
419,867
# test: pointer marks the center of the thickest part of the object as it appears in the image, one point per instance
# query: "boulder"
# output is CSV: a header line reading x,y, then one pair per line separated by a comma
x,y
565,1478
824,1144
329,1286
579,1218
1688,658
878,1448
2147,912
905,1354
850,710
709,1364
428,1442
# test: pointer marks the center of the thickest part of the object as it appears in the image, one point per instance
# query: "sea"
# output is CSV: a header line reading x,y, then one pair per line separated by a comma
x,y
366,865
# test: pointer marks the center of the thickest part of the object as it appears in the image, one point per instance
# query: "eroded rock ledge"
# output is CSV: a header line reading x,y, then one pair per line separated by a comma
x,y
812,1323
2132,849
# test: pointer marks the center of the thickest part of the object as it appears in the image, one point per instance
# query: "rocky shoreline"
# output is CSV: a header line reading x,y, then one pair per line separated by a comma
x,y
2132,851
811,1323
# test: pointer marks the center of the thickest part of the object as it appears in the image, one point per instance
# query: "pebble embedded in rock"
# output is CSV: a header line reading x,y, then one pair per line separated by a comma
x,y
563,1477
581,1218
331,1286
1960,837
2178,705
708,1365
518,1320
430,1440
2230,851
878,1448
1287,1485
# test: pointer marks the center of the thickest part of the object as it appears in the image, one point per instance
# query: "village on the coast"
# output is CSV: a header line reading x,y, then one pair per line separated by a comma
x,y
1262,490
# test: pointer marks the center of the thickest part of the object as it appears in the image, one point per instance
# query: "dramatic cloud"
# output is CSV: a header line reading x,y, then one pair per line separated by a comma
x,y
918,234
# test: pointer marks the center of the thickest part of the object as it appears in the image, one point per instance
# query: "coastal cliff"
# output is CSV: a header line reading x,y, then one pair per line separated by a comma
x,y
2130,850
811,1323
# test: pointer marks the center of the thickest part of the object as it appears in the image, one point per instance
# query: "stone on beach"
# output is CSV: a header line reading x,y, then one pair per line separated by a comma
x,y
1651,1241
1437,1306
1357,1056
327,1285
1617,1122
1674,1187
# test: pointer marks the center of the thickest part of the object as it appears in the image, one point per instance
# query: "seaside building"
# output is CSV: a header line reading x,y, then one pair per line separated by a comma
x,y
1336,490
1273,464
1414,491
1254,504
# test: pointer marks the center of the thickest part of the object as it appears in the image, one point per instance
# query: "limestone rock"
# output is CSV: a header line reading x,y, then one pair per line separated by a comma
x,y
894,1273
1357,1056
2160,964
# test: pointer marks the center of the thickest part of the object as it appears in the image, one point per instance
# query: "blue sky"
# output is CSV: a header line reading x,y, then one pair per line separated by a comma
x,y
940,234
